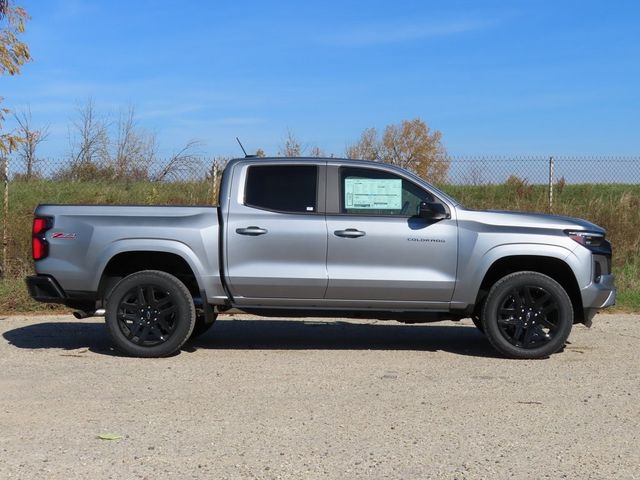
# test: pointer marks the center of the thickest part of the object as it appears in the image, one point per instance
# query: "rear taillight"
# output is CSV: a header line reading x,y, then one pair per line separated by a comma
x,y
39,244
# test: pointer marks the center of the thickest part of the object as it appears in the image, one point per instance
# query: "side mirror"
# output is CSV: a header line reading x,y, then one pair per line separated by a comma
x,y
433,211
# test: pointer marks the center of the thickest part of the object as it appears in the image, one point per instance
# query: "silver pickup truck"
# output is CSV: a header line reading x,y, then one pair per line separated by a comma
x,y
322,237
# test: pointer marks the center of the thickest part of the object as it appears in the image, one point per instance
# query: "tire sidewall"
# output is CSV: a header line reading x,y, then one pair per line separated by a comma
x,y
496,296
185,313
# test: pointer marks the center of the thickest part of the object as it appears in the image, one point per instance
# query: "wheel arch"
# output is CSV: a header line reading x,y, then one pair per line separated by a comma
x,y
552,267
125,263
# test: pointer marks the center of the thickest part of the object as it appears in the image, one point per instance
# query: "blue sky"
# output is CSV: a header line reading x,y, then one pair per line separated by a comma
x,y
497,78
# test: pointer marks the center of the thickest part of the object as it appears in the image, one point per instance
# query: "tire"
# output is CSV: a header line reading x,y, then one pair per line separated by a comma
x,y
202,325
527,315
150,314
477,321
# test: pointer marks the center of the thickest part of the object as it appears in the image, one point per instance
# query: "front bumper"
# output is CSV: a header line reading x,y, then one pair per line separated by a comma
x,y
599,294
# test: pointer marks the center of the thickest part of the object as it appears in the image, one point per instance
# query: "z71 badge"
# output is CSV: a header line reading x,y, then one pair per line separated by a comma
x,y
64,236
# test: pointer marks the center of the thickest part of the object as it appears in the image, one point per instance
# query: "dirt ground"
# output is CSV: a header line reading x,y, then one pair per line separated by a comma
x,y
294,399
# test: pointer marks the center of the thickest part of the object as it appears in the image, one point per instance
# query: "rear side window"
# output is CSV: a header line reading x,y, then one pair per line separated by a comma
x,y
283,188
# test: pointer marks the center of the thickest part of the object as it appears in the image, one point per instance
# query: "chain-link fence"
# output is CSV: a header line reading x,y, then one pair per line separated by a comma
x,y
481,170
605,190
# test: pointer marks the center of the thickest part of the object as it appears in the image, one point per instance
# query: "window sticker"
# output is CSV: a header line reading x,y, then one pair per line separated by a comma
x,y
373,193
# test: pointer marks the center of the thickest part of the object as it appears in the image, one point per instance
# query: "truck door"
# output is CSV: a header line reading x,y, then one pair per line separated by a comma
x,y
276,233
379,249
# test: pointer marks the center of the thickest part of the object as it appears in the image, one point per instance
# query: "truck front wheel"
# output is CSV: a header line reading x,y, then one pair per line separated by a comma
x,y
150,314
203,324
527,315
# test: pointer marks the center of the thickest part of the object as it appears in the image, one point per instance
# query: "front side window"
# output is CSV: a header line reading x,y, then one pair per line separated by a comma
x,y
283,188
375,192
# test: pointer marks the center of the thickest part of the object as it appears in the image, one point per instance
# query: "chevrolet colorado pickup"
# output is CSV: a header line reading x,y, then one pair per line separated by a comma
x,y
322,237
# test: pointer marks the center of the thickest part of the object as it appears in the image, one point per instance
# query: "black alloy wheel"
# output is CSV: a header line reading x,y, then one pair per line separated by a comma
x,y
147,315
527,315
150,314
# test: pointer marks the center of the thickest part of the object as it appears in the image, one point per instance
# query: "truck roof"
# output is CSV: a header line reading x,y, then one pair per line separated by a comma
x,y
341,161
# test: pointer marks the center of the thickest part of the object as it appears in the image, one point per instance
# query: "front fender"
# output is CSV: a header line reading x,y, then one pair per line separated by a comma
x,y
473,270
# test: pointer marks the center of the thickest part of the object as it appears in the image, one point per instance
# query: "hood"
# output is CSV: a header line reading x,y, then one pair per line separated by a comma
x,y
504,218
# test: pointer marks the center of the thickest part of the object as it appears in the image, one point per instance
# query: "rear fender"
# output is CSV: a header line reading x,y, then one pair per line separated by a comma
x,y
207,277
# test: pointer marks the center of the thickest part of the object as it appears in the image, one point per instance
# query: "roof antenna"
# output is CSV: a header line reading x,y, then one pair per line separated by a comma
x,y
243,150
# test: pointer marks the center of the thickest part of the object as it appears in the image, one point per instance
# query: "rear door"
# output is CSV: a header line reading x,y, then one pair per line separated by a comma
x,y
379,249
276,232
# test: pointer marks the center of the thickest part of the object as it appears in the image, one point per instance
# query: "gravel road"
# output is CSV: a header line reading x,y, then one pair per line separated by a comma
x,y
258,398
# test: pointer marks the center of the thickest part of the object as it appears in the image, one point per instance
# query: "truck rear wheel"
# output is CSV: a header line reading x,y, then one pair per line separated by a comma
x,y
527,315
150,314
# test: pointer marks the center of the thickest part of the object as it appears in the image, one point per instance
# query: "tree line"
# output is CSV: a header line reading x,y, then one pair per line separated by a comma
x,y
120,149
104,149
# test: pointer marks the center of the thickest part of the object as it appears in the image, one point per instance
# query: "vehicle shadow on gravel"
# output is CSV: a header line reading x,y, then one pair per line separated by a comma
x,y
313,335
271,334
62,335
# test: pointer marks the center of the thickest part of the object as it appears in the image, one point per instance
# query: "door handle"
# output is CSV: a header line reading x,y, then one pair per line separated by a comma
x,y
349,233
252,231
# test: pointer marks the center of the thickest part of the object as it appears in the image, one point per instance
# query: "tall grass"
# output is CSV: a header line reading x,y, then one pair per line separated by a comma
x,y
614,207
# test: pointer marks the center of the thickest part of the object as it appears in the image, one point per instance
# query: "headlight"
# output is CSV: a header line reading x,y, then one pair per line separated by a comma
x,y
588,239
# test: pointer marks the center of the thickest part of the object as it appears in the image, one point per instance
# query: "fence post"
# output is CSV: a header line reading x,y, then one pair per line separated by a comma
x,y
551,165
214,185
5,216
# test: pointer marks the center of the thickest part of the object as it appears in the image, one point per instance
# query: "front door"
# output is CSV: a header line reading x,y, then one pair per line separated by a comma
x,y
379,249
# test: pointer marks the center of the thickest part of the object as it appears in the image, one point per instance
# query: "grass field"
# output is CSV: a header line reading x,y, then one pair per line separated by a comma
x,y
615,207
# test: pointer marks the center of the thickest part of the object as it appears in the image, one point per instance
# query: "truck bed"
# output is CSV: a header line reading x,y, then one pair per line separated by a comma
x,y
85,237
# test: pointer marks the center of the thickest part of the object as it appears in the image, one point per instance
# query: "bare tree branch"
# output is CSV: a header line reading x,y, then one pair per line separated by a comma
x,y
317,152
291,146
184,163
135,148
90,142
367,148
31,138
